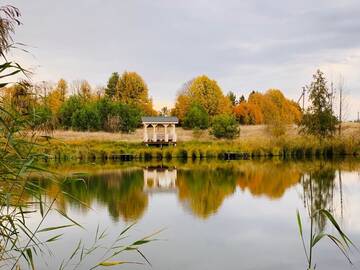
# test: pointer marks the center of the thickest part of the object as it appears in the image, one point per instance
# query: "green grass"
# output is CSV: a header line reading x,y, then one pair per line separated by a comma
x,y
299,147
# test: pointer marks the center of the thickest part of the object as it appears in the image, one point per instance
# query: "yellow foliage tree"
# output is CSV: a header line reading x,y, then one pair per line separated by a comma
x,y
206,92
132,89
57,97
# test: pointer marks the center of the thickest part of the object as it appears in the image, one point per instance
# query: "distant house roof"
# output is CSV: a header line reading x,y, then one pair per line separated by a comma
x,y
160,119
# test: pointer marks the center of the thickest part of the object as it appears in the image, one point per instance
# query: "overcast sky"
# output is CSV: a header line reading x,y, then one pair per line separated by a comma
x,y
244,45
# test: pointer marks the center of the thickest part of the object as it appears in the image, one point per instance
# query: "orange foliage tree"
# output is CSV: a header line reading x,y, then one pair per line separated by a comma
x,y
268,108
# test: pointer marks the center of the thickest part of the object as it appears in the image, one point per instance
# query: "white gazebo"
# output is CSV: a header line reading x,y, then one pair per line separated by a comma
x,y
163,129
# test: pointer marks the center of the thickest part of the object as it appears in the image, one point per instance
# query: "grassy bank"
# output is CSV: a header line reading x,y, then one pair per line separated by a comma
x,y
285,147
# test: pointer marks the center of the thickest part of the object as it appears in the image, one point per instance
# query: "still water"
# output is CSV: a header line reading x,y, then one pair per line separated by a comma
x,y
215,215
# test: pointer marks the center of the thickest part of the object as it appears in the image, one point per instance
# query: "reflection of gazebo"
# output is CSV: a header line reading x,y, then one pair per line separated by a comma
x,y
160,180
158,123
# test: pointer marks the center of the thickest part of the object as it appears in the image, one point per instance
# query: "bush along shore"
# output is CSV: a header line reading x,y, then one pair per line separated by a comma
x,y
299,147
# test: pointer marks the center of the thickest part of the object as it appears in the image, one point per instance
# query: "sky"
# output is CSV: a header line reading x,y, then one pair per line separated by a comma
x,y
244,45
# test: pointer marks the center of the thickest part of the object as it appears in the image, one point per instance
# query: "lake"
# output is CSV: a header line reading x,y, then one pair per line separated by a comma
x,y
214,214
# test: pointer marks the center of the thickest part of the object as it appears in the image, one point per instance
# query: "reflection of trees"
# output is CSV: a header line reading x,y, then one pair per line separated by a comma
x,y
122,192
318,186
268,179
205,190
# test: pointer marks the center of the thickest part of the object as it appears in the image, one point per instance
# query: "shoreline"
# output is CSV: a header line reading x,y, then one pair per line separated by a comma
x,y
283,147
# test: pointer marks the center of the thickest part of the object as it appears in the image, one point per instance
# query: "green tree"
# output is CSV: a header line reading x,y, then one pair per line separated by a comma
x,y
87,118
196,117
225,126
164,111
110,89
232,97
242,99
104,107
67,110
319,118
126,117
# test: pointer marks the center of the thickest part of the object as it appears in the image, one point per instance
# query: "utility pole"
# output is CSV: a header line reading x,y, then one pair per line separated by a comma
x,y
303,96
358,117
340,107
303,99
332,95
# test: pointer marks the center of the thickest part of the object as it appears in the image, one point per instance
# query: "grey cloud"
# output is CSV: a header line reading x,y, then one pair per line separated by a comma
x,y
243,44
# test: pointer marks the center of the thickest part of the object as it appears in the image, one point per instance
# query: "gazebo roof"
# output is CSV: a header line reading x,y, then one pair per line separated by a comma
x,y
160,119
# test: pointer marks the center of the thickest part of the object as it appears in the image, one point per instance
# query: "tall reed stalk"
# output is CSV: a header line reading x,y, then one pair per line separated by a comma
x,y
342,241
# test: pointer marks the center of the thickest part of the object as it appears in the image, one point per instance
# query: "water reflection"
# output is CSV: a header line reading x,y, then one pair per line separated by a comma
x,y
200,190
229,212
318,192
203,191
270,180
159,179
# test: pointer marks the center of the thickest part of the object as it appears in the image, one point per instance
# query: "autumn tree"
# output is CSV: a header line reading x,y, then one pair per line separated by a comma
x,y
131,89
62,87
57,96
271,108
85,90
110,89
248,114
319,118
205,92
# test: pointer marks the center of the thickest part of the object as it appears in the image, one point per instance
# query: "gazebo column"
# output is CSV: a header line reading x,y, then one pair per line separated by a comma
x,y
154,132
166,133
146,137
173,133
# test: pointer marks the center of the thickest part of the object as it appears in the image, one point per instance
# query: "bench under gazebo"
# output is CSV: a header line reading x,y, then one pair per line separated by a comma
x,y
162,130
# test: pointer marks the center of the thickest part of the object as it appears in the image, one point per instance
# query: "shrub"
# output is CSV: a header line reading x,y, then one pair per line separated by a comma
x,y
126,117
103,114
104,106
86,118
196,117
225,126
67,110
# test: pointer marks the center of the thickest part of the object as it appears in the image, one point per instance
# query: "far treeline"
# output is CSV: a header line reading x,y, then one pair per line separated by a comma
x,y
200,104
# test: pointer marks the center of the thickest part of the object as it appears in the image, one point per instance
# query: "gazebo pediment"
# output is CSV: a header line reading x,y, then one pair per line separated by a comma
x,y
159,120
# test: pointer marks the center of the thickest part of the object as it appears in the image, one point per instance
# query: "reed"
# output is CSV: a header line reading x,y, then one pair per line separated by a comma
x,y
317,234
